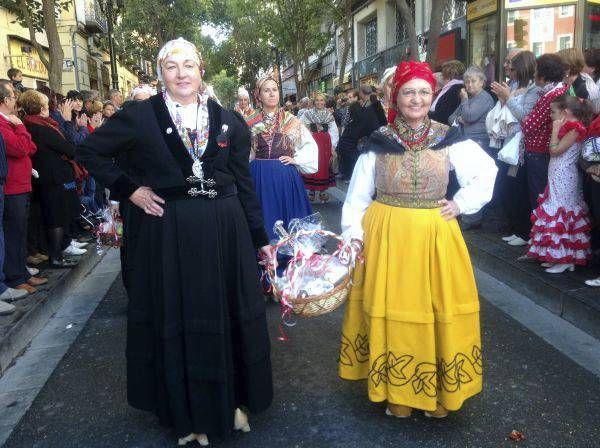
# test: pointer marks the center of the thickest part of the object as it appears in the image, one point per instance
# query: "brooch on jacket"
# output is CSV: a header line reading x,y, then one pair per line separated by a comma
x,y
222,138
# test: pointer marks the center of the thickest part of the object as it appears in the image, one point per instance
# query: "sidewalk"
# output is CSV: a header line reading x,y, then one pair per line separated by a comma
x,y
565,295
32,313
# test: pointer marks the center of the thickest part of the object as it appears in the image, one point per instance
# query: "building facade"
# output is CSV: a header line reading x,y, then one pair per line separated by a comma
x,y
86,65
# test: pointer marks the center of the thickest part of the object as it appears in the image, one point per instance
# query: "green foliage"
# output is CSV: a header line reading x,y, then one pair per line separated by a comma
x,y
145,25
225,88
34,8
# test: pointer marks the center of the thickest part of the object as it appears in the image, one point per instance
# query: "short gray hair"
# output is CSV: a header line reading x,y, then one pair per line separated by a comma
x,y
475,71
112,92
6,90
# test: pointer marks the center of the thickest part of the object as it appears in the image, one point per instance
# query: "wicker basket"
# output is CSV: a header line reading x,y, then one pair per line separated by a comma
x,y
310,306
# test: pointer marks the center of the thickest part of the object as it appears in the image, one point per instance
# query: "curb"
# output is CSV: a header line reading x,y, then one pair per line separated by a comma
x,y
21,334
562,296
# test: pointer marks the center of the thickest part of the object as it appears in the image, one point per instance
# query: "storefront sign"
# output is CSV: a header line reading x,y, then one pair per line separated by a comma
x,y
541,25
512,4
25,57
480,8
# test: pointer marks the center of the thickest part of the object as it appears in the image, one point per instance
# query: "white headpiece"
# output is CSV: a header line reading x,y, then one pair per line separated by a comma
x,y
387,74
177,46
142,88
243,93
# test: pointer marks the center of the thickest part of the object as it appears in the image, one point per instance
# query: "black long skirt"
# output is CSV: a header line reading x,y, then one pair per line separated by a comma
x,y
197,339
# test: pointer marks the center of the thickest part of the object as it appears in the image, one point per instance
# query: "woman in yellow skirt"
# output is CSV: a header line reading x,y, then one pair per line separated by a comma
x,y
411,325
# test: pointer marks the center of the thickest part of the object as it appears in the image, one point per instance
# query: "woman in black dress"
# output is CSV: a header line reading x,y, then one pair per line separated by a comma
x,y
55,185
197,343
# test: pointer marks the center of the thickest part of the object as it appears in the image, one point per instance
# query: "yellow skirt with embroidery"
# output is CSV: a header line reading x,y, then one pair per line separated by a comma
x,y
411,324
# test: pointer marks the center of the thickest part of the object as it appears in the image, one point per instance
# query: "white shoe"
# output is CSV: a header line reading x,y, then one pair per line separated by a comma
x,y
33,271
594,282
6,308
202,439
509,238
560,268
240,421
71,250
546,265
12,294
518,241
185,440
78,245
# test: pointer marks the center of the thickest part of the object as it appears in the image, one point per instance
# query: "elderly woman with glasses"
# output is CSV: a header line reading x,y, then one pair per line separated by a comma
x,y
197,341
411,325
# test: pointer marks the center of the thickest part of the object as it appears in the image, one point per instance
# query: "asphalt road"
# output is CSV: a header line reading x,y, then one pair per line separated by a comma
x,y
528,386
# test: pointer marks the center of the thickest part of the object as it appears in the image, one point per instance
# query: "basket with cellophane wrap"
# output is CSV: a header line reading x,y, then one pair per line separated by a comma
x,y
316,280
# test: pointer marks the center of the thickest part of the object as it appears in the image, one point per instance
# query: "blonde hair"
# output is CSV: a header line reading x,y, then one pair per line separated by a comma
x,y
574,58
32,102
96,107
320,95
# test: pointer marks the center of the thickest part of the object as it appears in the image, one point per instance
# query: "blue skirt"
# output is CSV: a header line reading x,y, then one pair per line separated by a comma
x,y
281,192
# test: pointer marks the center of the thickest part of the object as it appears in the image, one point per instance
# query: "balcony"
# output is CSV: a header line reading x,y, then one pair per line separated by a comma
x,y
94,20
377,63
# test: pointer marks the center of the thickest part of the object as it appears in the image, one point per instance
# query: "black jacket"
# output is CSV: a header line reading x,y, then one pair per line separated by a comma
x,y
3,162
47,161
144,137
447,104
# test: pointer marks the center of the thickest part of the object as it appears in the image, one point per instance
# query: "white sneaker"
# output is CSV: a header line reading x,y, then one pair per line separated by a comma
x,y
6,308
509,238
560,268
517,242
12,294
594,282
33,271
78,245
71,250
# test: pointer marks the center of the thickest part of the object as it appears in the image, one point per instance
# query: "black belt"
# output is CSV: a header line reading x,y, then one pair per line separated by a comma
x,y
196,192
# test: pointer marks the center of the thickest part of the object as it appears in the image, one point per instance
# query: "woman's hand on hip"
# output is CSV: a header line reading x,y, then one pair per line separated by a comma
x,y
449,210
148,201
286,160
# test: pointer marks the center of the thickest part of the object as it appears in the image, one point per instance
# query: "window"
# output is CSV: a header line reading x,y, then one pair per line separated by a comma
x,y
371,37
511,16
566,11
565,41
591,37
401,29
541,29
453,10
482,45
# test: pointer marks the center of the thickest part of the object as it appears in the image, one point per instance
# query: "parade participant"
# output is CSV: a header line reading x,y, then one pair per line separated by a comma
x,y
197,340
243,106
281,147
142,92
322,126
411,325
560,236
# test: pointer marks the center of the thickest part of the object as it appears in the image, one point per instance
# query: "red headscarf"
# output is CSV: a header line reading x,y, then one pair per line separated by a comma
x,y
407,71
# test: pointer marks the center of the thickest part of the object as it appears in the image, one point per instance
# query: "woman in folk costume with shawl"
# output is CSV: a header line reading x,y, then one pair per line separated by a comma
x,y
281,148
325,132
197,342
243,105
411,325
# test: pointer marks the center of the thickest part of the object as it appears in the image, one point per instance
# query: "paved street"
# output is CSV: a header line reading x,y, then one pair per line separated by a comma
x,y
528,386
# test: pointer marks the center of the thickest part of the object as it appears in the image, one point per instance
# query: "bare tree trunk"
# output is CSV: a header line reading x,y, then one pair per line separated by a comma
x,y
56,51
346,39
54,64
409,20
435,26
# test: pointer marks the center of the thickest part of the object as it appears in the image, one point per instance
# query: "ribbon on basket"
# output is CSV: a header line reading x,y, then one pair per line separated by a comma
x,y
314,282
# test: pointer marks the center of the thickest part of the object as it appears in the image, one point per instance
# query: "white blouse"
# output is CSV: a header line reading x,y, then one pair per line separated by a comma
x,y
306,153
475,170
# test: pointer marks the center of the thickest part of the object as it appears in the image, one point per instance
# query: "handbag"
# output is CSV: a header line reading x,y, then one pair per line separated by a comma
x,y
510,151
591,150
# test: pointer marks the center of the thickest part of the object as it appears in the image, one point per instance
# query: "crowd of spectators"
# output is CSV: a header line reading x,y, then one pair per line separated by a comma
x,y
47,200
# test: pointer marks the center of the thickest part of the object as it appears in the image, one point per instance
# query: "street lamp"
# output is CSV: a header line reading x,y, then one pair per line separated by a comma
x,y
275,53
111,12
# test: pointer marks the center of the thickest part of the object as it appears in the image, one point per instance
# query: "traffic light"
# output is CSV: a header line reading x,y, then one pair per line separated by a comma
x,y
520,30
